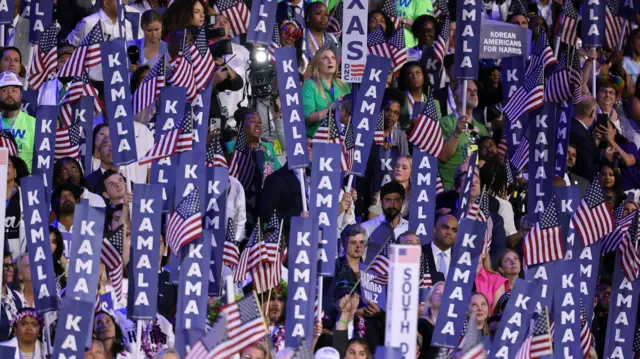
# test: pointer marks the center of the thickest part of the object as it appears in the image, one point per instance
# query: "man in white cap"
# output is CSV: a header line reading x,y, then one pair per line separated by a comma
x,y
21,125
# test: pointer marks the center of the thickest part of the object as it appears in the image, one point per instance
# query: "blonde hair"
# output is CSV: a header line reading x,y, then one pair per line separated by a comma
x,y
429,313
314,67
485,326
162,353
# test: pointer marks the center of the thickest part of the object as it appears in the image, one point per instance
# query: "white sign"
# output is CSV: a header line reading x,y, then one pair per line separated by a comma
x,y
354,39
402,299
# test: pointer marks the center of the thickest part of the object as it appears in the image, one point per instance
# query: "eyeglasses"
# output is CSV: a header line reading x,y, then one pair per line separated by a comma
x,y
344,284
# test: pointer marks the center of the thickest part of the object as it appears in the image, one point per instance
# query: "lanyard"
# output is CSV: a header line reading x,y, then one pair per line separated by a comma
x,y
10,196
313,41
412,102
452,104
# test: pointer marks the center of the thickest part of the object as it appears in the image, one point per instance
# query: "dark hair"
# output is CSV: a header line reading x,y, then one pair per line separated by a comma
x,y
504,253
449,60
393,95
347,102
493,175
387,21
365,345
309,7
111,210
57,167
179,13
57,255
241,113
118,342
392,187
419,22
136,77
148,17
14,49
510,17
403,77
21,167
110,172
630,46
96,130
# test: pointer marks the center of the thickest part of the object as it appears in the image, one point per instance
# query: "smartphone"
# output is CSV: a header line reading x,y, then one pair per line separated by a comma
x,y
212,19
602,120
532,8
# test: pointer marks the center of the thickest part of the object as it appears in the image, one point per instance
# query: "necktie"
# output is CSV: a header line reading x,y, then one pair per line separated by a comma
x,y
297,15
443,263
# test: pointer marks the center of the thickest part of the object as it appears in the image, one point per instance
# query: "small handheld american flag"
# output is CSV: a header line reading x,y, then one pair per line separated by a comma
x,y
427,134
215,154
7,141
68,142
585,331
185,136
252,255
236,12
629,258
185,223
203,62
538,343
520,158
576,78
611,241
231,254
377,43
528,97
380,265
165,147
558,87
613,23
378,133
45,58
149,90
593,219
111,255
182,74
388,7
542,55
242,163
86,55
569,33
335,20
398,48
544,242
442,43
80,87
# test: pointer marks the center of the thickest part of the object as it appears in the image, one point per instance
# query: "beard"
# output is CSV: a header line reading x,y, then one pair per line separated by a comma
x,y
67,208
390,212
9,106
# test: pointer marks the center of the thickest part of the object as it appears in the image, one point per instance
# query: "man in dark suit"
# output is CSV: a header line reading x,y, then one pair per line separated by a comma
x,y
574,179
290,10
587,152
438,253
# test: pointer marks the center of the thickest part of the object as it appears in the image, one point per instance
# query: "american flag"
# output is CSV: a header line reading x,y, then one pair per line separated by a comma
x,y
244,327
576,78
477,352
335,20
85,56
231,254
111,255
165,147
252,255
377,43
618,213
334,137
203,63
380,265
613,23
569,33
440,7
185,136
272,243
183,72
542,55
427,134
538,343
508,170
80,87
68,142
527,97
215,154
611,241
236,12
636,340
520,158
45,58
389,8
558,87
517,7
349,146
185,223
398,49
593,218
544,242
242,164
266,274
628,254
378,133
585,331
275,43
439,185
8,141
303,351
502,146
149,90
442,43
425,273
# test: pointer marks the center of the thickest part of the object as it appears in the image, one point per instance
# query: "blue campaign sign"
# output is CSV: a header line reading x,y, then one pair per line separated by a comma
x,y
301,294
191,175
424,174
621,323
515,320
36,213
512,76
325,192
82,111
383,168
40,17
462,273
543,276
29,102
118,106
171,109
466,190
45,144
431,67
85,252
74,326
466,62
541,159
566,303
215,215
6,13
191,309
146,223
367,109
292,108
593,19
567,202
134,18
589,264
564,112
370,291
200,116
261,21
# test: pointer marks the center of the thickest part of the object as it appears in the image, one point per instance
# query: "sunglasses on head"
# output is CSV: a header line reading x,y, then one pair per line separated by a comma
x,y
344,284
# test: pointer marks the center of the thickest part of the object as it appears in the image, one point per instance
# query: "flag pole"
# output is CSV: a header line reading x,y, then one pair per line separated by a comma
x,y
25,87
624,27
279,236
4,154
138,338
465,83
232,298
303,190
558,37
369,266
593,80
2,27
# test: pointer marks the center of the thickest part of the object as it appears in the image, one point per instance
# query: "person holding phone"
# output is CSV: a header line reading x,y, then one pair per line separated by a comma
x,y
608,93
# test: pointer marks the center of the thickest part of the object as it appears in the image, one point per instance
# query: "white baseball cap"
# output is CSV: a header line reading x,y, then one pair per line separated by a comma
x,y
327,353
8,78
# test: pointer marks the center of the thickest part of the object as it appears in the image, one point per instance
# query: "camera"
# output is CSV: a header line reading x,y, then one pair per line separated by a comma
x,y
221,47
262,74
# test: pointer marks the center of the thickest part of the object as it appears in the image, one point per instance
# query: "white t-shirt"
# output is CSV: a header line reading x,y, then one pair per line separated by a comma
x,y
506,212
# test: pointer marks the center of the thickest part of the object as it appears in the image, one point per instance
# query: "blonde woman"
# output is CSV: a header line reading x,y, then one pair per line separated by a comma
x,y
259,350
433,302
323,89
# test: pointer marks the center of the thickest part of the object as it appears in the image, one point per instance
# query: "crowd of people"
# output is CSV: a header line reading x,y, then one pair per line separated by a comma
x,y
351,326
